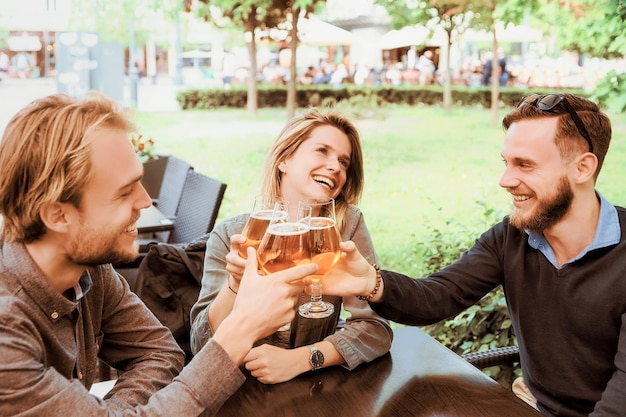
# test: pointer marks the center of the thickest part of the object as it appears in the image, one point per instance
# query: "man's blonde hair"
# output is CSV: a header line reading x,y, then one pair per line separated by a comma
x,y
45,157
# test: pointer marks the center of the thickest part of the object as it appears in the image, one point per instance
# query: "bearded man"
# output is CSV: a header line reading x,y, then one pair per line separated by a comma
x,y
560,257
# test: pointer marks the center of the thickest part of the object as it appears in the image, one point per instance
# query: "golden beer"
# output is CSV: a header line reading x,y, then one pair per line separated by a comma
x,y
283,246
255,229
325,240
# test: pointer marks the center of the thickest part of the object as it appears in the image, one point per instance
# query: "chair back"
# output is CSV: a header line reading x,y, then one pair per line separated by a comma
x,y
198,208
171,190
153,172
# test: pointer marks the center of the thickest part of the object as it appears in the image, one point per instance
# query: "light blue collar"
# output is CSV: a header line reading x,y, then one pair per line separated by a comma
x,y
608,233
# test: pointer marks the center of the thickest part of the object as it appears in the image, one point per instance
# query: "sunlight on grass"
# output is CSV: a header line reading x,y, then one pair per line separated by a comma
x,y
425,167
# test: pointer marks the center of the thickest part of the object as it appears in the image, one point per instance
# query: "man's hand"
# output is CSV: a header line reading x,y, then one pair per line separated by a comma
x,y
351,275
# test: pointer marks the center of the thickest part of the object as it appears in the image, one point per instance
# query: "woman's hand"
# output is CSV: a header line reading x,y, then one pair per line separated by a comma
x,y
272,365
235,264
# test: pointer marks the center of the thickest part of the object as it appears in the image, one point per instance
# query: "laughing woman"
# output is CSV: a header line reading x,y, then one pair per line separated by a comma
x,y
316,156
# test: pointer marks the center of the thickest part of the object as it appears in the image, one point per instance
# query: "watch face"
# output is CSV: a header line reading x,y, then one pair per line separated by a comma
x,y
317,359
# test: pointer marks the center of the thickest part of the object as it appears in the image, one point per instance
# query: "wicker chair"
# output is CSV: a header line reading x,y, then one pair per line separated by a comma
x,y
171,187
198,207
493,357
153,173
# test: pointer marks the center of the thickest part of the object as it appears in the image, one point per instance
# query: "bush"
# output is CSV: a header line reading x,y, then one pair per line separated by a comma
x,y
316,95
611,91
358,106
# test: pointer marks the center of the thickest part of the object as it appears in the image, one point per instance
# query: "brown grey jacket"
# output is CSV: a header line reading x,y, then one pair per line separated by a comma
x,y
365,336
49,344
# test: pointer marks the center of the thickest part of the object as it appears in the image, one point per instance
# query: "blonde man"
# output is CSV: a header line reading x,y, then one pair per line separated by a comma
x,y
70,197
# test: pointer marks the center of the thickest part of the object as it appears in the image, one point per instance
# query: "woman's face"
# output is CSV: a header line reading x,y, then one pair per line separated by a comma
x,y
318,167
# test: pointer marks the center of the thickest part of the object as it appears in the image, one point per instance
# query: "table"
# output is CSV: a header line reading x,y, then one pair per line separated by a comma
x,y
152,220
419,377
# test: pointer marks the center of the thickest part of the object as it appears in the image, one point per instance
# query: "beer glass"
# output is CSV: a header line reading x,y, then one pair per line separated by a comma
x,y
325,252
285,243
263,209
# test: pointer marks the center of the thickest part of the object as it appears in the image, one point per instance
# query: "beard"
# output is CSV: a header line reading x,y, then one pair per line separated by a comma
x,y
92,248
548,211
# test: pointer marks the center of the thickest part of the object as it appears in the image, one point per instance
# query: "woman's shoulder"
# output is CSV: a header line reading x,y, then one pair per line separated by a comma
x,y
352,220
232,225
353,212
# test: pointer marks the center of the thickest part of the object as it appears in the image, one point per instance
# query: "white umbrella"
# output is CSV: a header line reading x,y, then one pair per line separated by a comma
x,y
24,43
196,53
412,35
313,31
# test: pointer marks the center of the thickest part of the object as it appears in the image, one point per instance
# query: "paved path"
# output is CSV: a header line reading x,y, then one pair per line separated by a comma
x,y
17,93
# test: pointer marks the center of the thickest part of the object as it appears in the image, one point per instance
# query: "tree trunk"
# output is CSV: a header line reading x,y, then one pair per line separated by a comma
x,y
293,78
495,81
447,79
253,95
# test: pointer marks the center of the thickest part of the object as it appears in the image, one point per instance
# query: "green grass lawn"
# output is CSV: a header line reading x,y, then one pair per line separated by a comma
x,y
425,168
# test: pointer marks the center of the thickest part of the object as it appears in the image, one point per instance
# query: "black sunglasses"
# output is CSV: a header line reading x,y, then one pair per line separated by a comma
x,y
549,102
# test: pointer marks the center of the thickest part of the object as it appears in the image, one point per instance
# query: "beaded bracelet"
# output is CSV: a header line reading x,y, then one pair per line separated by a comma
x,y
379,280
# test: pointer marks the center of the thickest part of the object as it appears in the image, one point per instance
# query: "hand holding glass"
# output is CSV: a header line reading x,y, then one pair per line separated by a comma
x,y
325,252
285,243
264,208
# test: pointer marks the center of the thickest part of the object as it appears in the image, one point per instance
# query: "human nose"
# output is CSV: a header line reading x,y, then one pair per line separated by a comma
x,y
508,179
334,164
144,200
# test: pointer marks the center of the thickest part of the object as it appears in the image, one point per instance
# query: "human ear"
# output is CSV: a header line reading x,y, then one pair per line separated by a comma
x,y
586,167
55,216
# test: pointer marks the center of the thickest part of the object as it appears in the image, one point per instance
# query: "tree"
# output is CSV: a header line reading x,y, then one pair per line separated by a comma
x,y
293,11
452,16
263,15
593,27
248,15
456,16
111,19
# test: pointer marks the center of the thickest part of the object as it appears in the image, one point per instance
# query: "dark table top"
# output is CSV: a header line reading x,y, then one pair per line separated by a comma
x,y
419,377
152,220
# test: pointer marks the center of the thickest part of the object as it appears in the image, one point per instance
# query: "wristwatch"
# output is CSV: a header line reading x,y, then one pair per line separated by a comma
x,y
316,359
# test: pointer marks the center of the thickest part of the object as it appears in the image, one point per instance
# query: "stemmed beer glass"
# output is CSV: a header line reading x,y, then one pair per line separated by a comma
x,y
325,252
285,243
264,208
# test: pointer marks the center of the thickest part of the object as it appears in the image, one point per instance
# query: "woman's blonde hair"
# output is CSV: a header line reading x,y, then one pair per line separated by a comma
x,y
45,157
297,131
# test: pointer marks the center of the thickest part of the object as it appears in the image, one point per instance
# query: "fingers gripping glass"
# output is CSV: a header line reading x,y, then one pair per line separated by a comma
x,y
549,102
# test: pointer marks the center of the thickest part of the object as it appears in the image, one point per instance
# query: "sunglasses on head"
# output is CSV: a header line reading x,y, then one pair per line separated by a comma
x,y
549,102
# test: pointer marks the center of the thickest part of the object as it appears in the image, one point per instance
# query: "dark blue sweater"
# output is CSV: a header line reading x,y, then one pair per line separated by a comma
x,y
570,322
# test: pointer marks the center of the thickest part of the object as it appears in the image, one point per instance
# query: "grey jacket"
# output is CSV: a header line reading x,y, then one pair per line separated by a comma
x,y
50,342
365,336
